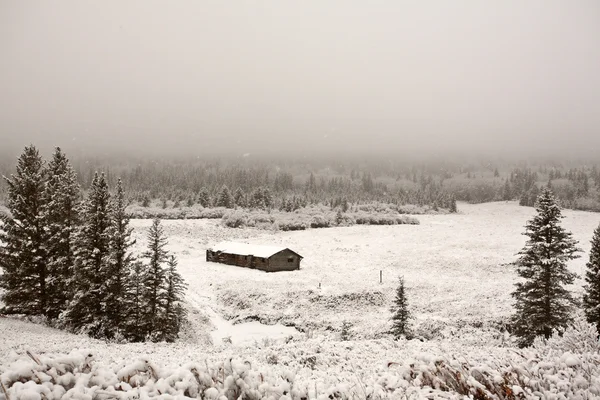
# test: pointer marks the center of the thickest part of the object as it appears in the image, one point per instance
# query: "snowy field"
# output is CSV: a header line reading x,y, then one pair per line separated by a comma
x,y
456,269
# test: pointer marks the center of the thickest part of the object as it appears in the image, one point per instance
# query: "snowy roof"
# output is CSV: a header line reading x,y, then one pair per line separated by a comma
x,y
245,249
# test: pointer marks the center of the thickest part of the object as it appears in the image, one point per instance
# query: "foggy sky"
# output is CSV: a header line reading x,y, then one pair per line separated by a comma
x,y
200,76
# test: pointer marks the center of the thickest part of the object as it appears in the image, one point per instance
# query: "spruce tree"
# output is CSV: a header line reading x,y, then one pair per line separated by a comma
x,y
225,199
86,311
591,297
23,239
453,208
400,313
154,278
174,313
506,191
135,310
542,303
119,264
268,197
60,219
239,198
204,197
257,199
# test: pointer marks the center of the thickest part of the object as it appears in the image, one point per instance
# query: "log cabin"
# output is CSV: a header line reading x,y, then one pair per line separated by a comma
x,y
264,258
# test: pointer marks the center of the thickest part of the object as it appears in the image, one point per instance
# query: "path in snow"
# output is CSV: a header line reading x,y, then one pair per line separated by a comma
x,y
223,331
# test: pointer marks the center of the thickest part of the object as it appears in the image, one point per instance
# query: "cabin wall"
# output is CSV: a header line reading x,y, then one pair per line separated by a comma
x,y
238,260
284,261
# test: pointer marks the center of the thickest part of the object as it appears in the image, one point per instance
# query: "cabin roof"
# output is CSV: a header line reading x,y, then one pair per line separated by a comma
x,y
245,249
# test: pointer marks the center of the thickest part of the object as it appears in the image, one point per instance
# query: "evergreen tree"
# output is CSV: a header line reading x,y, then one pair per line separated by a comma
x,y
190,201
204,198
542,303
23,239
506,191
134,325
173,314
86,312
154,278
591,297
453,208
267,197
225,199
119,264
239,198
400,313
257,199
60,218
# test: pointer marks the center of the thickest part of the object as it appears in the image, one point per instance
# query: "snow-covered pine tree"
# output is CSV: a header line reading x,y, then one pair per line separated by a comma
x,y
60,219
134,325
542,303
506,191
23,239
154,278
119,264
591,297
400,313
257,199
239,198
225,199
204,197
453,208
268,197
190,201
86,311
174,313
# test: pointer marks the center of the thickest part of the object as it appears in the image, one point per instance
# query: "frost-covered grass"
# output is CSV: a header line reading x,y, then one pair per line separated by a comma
x,y
311,369
456,268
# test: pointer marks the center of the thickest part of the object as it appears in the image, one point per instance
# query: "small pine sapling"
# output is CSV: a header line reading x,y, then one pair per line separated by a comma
x,y
400,314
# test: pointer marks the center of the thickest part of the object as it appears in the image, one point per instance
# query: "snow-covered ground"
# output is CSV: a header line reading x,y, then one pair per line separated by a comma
x,y
456,269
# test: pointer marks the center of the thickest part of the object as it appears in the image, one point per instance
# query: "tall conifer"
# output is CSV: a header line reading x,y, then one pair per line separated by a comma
x,y
154,277
119,264
542,302
86,312
591,297
23,239
60,218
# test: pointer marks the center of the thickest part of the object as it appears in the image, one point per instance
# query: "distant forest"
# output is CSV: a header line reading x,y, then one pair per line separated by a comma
x,y
288,184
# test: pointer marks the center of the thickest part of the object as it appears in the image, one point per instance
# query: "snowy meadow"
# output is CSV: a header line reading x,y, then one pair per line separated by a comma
x,y
270,330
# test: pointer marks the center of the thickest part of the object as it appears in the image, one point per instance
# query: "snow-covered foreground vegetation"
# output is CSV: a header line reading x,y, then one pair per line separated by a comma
x,y
458,279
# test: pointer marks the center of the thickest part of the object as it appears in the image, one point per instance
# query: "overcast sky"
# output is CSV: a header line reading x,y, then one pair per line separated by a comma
x,y
199,76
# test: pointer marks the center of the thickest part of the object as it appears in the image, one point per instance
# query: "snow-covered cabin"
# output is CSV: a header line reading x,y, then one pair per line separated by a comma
x,y
265,258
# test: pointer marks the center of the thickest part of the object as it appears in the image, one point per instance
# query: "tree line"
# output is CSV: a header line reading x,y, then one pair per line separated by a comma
x,y
69,258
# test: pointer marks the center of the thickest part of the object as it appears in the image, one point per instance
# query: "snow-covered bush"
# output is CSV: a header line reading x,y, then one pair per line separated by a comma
x,y
312,217
311,371
578,337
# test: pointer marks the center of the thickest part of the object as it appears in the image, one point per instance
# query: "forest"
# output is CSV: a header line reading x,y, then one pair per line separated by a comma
x,y
337,182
